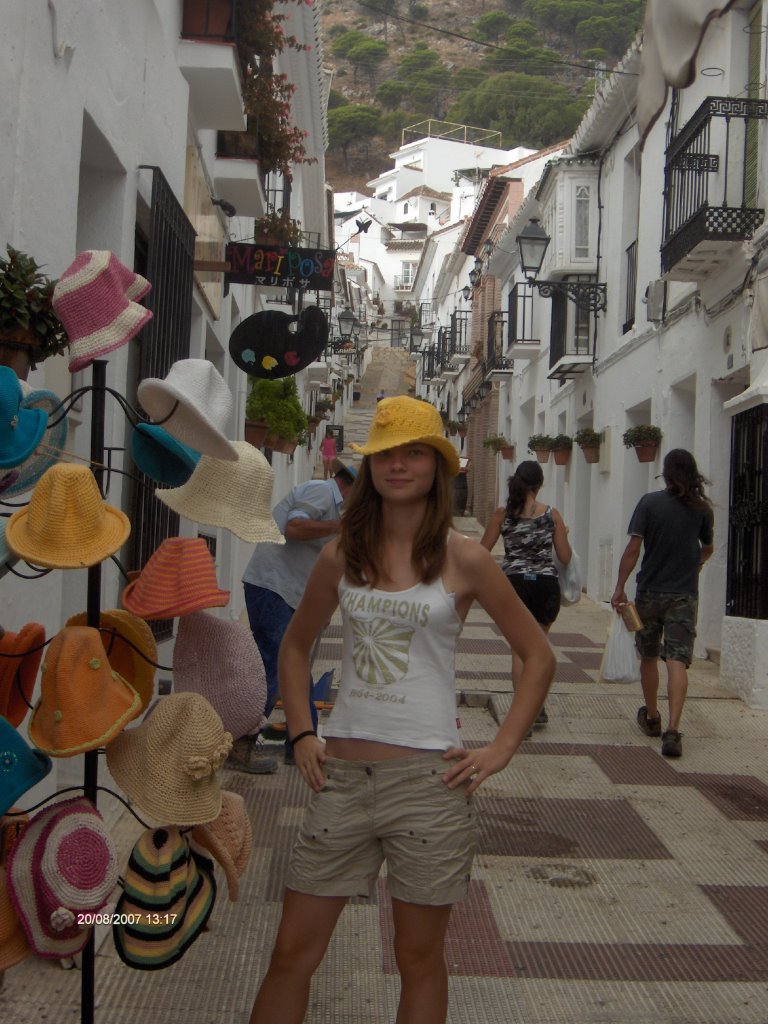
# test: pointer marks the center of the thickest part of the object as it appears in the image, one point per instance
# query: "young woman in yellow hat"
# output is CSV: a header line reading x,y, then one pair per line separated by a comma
x,y
391,781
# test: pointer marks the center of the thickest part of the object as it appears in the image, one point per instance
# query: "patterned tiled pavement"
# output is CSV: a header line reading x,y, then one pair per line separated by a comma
x,y
612,886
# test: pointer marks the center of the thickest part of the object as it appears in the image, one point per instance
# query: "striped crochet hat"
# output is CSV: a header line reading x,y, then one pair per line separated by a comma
x,y
51,443
167,765
219,659
179,578
20,657
67,524
96,298
63,865
234,495
130,647
194,404
83,702
168,897
228,839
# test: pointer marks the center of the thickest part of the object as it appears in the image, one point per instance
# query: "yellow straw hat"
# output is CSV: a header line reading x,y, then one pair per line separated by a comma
x,y
83,702
404,420
67,524
130,647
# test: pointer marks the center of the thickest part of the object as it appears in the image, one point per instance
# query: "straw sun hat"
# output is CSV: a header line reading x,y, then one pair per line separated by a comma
x,y
235,495
130,646
97,300
194,404
167,765
404,420
228,839
67,524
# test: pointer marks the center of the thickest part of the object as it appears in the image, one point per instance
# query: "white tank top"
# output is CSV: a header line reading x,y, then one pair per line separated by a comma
x,y
397,670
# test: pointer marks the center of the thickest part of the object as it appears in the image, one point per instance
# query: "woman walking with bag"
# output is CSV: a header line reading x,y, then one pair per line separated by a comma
x,y
530,529
391,782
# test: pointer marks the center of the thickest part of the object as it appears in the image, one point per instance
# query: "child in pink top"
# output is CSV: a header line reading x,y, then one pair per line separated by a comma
x,y
328,452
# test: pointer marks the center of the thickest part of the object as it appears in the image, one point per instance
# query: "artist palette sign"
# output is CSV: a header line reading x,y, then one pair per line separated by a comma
x,y
278,266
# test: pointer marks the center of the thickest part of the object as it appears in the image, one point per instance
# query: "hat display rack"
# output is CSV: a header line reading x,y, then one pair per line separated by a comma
x,y
52,529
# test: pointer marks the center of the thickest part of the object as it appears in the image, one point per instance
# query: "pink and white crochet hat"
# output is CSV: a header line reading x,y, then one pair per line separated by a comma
x,y
194,404
96,298
219,659
64,864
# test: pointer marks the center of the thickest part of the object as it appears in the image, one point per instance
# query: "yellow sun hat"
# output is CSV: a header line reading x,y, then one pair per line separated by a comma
x,y
404,420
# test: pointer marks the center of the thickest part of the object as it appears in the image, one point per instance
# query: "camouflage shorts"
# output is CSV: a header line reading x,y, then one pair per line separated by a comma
x,y
670,615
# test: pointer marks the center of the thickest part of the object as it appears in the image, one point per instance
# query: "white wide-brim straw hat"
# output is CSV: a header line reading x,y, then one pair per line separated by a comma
x,y
194,404
234,495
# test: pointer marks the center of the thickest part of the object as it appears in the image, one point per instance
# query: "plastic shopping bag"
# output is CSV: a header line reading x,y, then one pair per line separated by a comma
x,y
569,577
621,663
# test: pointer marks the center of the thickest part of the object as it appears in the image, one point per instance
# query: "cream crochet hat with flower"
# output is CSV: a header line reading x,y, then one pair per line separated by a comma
x,y
167,765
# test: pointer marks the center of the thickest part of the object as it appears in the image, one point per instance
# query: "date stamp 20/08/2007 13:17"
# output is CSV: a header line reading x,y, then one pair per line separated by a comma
x,y
147,918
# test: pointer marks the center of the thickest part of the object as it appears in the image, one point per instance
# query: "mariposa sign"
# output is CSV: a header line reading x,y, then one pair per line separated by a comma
x,y
278,266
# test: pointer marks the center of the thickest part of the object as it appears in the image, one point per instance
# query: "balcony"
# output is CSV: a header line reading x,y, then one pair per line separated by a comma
x,y
497,365
212,71
459,339
520,343
571,338
711,185
237,173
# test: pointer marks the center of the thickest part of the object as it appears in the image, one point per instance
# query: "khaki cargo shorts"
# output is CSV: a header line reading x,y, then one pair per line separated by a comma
x,y
396,811
670,615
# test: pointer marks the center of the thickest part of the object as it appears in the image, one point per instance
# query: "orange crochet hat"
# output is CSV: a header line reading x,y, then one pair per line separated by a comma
x,y
83,702
180,577
18,670
130,648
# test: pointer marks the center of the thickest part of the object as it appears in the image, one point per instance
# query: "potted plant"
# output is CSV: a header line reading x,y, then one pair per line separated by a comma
x,y
541,446
277,228
313,422
453,427
589,441
275,404
645,439
497,443
323,407
30,331
561,447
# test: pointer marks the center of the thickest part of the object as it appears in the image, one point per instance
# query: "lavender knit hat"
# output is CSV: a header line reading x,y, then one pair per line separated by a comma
x,y
219,659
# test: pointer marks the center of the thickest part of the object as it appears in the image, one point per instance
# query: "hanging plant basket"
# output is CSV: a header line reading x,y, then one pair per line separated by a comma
x,y
255,433
646,452
591,453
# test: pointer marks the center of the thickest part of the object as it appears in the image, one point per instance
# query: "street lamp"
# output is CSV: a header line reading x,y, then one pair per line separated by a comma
x,y
466,291
532,244
347,322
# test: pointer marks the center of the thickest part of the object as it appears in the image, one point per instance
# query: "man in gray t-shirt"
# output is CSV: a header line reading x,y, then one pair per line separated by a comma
x,y
674,529
276,575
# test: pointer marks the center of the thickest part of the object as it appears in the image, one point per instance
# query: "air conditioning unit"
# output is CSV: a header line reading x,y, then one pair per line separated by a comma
x,y
655,295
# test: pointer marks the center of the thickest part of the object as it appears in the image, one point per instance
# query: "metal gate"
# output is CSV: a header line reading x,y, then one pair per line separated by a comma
x,y
747,583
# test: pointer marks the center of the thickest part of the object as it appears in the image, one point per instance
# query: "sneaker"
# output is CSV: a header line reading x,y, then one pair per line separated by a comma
x,y
671,743
246,756
650,726
541,719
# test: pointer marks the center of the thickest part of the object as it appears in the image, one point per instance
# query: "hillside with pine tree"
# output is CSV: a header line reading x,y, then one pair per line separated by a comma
x,y
524,68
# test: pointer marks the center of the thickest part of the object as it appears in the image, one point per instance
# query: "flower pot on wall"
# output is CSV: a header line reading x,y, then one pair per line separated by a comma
x,y
562,455
255,433
508,452
646,452
282,445
542,454
591,454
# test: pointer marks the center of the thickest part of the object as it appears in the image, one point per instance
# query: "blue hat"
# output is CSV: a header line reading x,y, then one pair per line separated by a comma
x,y
20,429
21,766
161,457
52,443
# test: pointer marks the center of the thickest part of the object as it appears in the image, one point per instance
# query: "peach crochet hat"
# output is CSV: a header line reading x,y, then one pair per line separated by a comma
x,y
179,578
167,765
67,524
130,647
405,420
83,702
228,839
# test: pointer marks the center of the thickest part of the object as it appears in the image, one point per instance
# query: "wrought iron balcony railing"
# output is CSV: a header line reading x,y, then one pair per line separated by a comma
x,y
497,365
710,186
630,269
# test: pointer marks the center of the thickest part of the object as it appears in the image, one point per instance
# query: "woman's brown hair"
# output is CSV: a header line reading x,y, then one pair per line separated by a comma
x,y
362,529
